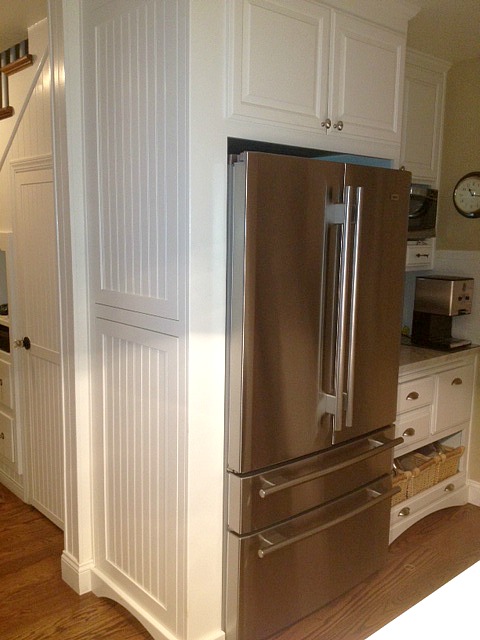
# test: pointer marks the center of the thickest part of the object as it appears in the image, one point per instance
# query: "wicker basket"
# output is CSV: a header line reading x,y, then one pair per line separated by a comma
x,y
449,462
423,469
400,479
423,475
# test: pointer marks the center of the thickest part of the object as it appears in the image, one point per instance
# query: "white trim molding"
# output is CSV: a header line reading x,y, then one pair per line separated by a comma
x,y
473,492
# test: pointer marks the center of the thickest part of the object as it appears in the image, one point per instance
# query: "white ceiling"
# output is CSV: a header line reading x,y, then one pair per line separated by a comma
x,y
447,29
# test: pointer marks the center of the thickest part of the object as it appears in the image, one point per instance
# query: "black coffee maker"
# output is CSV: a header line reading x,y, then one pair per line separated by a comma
x,y
438,299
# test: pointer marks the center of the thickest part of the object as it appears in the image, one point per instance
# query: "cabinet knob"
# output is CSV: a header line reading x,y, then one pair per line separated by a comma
x,y
23,342
404,512
413,395
326,123
338,125
456,381
409,432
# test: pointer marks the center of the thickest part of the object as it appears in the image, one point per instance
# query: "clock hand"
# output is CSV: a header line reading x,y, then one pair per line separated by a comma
x,y
475,195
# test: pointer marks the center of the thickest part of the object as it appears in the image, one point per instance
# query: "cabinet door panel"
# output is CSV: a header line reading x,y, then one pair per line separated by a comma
x,y
279,61
423,115
6,441
5,386
368,103
455,389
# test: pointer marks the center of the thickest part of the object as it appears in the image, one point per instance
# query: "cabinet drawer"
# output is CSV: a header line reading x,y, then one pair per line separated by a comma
x,y
5,386
6,437
455,390
410,509
417,393
419,256
414,426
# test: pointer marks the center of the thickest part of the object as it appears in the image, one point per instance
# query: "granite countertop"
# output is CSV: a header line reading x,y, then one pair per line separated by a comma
x,y
413,357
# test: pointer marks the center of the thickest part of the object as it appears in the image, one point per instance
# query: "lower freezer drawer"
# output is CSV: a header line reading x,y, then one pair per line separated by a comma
x,y
260,500
281,574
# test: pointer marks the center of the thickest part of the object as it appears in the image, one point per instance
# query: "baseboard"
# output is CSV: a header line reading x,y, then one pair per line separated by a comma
x,y
16,488
104,586
78,577
474,492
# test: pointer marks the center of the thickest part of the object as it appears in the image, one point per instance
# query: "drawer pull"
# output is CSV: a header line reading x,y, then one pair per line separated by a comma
x,y
409,432
457,381
450,487
2,436
413,395
404,512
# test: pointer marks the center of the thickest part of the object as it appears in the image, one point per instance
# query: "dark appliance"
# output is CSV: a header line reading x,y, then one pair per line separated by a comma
x,y
422,212
4,338
316,257
438,299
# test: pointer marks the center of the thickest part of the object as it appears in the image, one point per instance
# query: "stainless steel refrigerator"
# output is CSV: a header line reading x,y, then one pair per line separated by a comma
x,y
316,261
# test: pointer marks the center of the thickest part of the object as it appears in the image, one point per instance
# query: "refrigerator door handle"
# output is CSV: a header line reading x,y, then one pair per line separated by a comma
x,y
342,319
277,542
377,444
353,312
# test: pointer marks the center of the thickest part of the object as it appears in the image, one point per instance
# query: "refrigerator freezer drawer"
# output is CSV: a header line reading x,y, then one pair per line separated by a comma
x,y
263,499
284,573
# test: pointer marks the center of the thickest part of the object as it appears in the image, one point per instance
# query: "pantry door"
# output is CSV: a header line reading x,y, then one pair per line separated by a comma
x,y
36,317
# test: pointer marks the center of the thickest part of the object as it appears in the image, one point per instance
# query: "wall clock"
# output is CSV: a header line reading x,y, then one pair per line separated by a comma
x,y
466,195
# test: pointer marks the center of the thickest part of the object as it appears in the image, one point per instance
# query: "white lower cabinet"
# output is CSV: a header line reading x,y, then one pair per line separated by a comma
x,y
420,255
6,437
434,409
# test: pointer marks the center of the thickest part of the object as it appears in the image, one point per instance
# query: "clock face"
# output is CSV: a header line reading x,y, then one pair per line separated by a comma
x,y
466,195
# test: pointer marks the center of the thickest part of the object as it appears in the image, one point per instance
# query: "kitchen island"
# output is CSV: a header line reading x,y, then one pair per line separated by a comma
x,y
434,411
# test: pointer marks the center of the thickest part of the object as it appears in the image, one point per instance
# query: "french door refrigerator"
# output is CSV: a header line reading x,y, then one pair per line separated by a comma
x,y
315,278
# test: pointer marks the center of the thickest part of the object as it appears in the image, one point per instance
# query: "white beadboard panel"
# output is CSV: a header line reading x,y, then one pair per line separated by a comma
x,y
36,315
36,250
465,264
137,454
136,178
34,134
45,438
28,134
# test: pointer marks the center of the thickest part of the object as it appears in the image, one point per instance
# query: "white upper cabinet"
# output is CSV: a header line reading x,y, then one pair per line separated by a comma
x,y
366,79
280,61
424,96
307,66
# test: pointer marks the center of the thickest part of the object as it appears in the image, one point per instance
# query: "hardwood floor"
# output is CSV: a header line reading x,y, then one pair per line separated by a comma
x,y
37,605
425,557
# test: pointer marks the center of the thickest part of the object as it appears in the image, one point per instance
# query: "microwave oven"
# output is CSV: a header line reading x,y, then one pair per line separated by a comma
x,y
422,212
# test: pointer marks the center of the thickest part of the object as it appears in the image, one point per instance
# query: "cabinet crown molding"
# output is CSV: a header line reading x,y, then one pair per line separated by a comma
x,y
425,60
394,14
